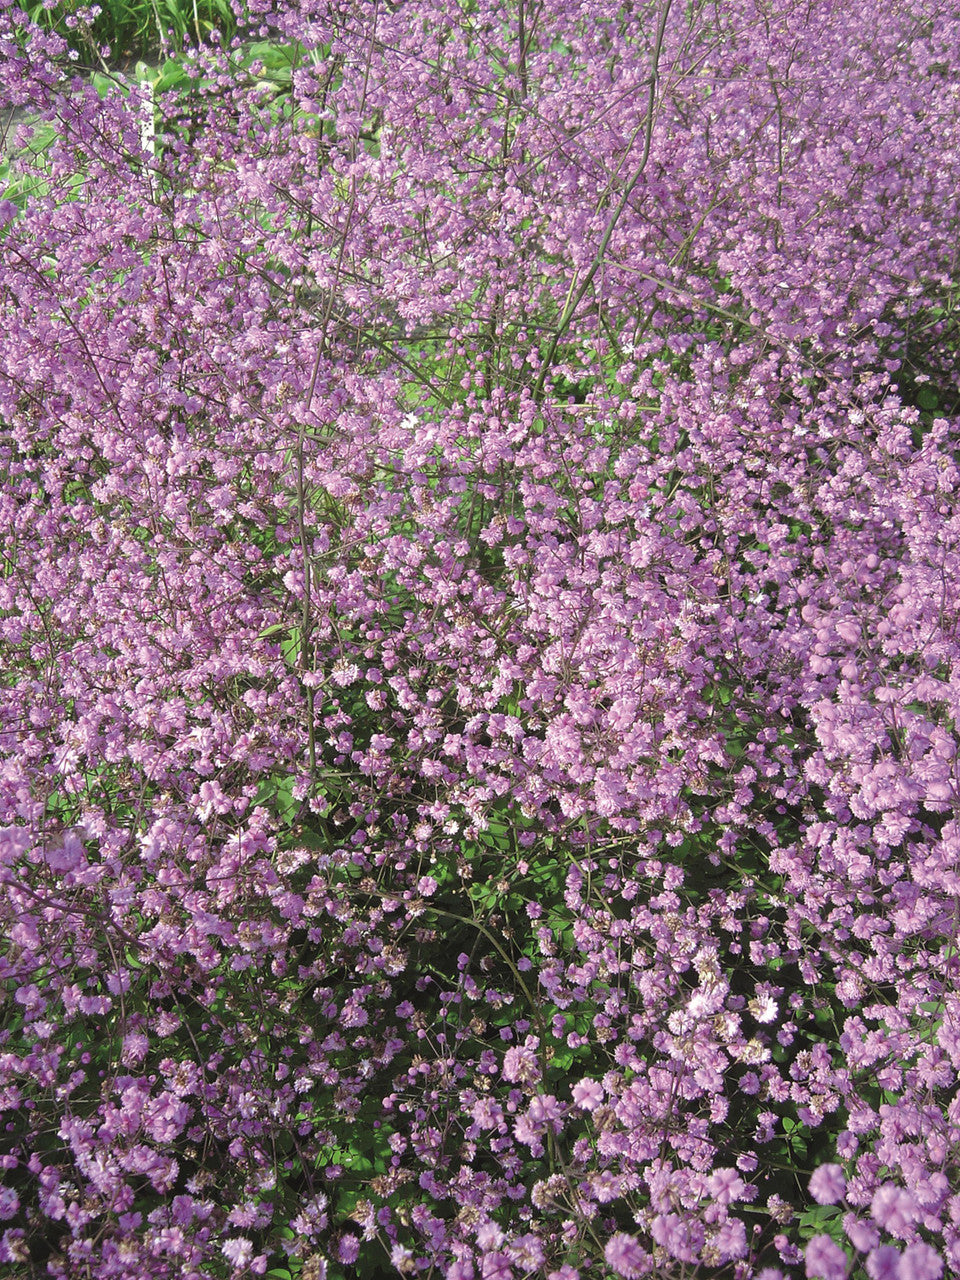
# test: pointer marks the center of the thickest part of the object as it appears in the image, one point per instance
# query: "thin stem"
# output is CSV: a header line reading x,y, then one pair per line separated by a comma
x,y
575,298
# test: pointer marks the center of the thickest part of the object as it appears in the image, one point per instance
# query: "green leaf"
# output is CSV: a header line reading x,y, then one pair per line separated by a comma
x,y
104,84
928,400
822,1219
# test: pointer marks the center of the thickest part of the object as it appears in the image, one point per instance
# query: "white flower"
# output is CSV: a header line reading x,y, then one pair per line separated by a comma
x,y
344,673
764,1008
238,1250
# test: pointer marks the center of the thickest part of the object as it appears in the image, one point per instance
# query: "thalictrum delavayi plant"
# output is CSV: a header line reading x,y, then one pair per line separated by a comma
x,y
479,609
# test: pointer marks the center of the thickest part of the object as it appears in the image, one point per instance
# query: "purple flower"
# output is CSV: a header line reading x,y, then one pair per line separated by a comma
x,y
883,1263
527,1251
545,1109
894,1209
134,1048
624,1254
825,1259
182,1210
920,1262
30,997
263,552
862,1235
496,1266
348,1250
401,1259
165,1116
828,1184
489,1236
520,1065
681,1237
238,1250
14,842
66,856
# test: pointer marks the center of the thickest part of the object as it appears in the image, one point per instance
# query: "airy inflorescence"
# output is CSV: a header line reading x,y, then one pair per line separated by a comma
x,y
480,662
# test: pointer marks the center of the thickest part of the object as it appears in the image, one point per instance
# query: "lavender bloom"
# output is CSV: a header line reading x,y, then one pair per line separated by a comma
x,y
625,1256
825,1259
480,627
828,1184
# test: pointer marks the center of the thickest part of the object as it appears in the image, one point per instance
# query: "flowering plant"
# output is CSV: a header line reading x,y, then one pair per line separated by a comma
x,y
479,609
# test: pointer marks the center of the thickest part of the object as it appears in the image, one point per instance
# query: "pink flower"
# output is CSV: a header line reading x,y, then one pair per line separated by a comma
x,y
725,1185
165,1117
588,1094
134,1048
730,1241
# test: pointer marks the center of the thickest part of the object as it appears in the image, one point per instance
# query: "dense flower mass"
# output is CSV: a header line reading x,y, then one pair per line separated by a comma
x,y
480,630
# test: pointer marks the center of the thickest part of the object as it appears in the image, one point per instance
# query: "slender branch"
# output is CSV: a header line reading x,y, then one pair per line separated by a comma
x,y
575,298
306,611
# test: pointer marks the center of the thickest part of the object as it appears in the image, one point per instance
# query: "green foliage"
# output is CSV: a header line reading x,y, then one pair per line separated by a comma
x,y
132,29
822,1219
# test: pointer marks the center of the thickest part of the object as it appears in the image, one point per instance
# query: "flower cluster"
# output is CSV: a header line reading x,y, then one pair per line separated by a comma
x,y
480,631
